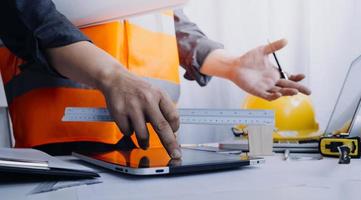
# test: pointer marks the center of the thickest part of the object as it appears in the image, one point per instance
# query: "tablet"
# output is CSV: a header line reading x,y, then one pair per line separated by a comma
x,y
157,162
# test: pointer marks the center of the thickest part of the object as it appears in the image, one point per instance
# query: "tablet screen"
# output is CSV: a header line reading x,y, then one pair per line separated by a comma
x,y
158,157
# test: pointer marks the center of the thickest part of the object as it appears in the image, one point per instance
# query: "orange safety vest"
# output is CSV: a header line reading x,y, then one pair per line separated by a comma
x,y
145,45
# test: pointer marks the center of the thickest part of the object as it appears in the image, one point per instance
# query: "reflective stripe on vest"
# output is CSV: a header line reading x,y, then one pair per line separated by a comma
x,y
145,45
30,80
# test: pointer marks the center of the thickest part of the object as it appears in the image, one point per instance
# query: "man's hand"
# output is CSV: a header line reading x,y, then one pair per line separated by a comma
x,y
258,76
254,73
131,101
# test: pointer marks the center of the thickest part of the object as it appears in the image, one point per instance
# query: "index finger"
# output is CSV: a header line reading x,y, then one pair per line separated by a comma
x,y
164,132
275,46
169,111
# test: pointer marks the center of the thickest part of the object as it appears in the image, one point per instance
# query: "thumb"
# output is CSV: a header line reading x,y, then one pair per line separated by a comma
x,y
275,46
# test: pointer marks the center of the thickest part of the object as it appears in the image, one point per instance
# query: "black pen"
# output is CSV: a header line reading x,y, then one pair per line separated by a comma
x,y
282,73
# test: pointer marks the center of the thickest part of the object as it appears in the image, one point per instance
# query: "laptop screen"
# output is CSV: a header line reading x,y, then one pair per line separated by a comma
x,y
348,100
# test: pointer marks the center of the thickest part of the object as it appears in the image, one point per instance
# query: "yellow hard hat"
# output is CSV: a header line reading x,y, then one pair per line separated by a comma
x,y
295,117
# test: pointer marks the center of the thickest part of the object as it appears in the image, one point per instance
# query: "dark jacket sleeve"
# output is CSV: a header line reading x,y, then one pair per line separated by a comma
x,y
28,27
193,47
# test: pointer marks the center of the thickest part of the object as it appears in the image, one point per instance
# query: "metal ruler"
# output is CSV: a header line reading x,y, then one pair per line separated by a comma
x,y
187,116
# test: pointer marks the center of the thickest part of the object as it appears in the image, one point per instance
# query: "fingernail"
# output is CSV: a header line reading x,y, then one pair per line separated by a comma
x,y
176,154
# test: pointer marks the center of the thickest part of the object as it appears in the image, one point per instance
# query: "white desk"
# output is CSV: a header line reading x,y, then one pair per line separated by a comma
x,y
277,179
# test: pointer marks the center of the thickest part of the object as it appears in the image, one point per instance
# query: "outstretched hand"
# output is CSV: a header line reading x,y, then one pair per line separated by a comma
x,y
258,76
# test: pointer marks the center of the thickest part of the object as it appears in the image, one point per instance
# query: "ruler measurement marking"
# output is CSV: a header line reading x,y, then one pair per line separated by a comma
x,y
187,116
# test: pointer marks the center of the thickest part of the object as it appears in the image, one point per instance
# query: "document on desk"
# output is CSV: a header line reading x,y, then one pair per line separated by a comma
x,y
31,161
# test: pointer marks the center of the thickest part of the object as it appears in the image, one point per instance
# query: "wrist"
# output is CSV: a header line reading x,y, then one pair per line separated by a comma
x,y
233,63
106,77
220,63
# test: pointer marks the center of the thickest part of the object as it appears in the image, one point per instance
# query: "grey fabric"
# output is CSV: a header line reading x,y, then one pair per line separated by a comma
x,y
193,46
27,28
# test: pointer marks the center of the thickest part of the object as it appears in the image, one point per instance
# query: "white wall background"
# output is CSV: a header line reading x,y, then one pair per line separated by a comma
x,y
324,37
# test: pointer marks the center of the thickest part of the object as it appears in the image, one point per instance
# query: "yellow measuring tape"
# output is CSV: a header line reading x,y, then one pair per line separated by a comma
x,y
329,146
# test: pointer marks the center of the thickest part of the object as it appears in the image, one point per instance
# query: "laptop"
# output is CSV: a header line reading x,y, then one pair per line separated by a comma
x,y
346,114
156,161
